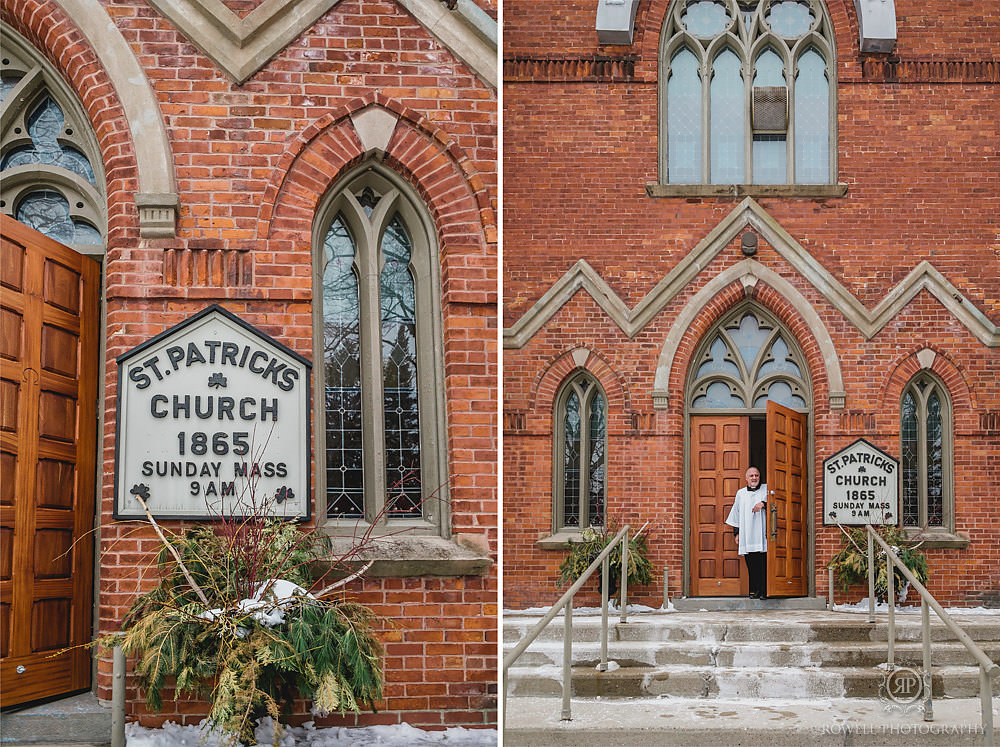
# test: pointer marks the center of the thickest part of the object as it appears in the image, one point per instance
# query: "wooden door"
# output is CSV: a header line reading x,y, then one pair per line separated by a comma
x,y
48,428
720,450
786,502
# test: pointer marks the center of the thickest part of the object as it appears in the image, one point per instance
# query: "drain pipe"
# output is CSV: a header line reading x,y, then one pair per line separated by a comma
x,y
118,698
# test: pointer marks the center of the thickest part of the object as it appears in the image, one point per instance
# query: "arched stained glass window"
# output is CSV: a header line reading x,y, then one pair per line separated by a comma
x,y
765,115
746,361
399,374
342,364
581,442
383,406
924,448
49,152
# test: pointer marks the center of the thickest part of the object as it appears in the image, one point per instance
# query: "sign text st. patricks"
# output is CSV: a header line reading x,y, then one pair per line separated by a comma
x,y
860,486
213,419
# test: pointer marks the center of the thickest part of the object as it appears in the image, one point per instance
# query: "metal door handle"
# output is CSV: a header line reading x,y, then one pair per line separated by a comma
x,y
774,521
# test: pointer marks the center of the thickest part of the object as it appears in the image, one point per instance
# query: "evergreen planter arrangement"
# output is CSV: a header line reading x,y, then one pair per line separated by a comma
x,y
232,621
592,544
851,564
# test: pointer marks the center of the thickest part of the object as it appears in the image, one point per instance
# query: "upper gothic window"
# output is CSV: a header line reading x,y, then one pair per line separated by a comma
x,y
925,448
47,152
378,311
747,93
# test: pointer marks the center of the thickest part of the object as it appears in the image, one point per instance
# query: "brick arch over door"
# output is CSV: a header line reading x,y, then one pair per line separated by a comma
x,y
442,173
773,293
131,167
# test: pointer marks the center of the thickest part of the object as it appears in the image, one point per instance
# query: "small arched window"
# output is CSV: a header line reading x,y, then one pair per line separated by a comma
x,y
379,326
925,454
747,93
581,426
52,178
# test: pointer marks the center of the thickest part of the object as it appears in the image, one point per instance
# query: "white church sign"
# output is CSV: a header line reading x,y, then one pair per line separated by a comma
x,y
860,486
213,420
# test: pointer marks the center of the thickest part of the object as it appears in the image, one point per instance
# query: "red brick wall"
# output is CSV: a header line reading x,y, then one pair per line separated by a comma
x,y
252,163
917,150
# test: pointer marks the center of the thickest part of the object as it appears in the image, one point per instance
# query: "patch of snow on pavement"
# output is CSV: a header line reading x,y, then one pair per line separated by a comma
x,y
862,606
175,735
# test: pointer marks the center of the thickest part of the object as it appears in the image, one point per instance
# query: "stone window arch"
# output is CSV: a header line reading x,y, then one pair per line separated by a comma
x,y
580,458
381,442
771,61
925,449
53,178
745,360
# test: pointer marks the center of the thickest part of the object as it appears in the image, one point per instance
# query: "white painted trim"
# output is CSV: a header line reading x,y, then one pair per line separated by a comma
x,y
582,276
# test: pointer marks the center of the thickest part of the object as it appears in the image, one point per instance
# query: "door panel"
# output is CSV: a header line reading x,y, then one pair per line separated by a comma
x,y
48,387
720,450
786,484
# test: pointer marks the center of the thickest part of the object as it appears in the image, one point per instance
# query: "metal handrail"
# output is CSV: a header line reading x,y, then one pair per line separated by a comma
x,y
987,668
566,603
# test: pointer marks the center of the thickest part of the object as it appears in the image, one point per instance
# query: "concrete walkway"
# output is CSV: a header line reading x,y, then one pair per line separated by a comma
x,y
702,722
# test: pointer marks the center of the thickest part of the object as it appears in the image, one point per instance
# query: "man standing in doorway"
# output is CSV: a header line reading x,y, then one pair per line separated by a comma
x,y
749,515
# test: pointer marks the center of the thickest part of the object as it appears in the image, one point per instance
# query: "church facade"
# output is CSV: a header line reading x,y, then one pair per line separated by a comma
x,y
321,176
751,234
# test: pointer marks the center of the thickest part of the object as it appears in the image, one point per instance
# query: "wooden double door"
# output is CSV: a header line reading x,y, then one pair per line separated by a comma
x,y
720,456
48,428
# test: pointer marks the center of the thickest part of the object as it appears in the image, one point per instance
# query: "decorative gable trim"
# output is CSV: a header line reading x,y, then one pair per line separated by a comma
x,y
748,213
241,46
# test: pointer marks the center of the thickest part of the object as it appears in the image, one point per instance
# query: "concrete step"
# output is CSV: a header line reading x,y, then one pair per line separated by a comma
x,y
753,654
750,626
77,720
830,722
727,682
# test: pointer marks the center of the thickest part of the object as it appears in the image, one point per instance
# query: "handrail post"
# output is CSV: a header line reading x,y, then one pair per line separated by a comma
x,y
624,587
666,589
925,633
118,698
890,597
504,685
567,660
605,579
829,588
986,703
871,576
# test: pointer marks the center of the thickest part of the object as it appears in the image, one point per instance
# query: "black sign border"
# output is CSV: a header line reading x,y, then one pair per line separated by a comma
x,y
151,342
826,521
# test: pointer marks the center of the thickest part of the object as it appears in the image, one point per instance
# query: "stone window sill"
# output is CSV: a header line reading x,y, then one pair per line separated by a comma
x,y
823,191
401,557
559,540
937,539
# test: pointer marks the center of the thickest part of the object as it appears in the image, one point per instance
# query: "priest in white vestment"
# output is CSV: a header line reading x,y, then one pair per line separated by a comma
x,y
748,518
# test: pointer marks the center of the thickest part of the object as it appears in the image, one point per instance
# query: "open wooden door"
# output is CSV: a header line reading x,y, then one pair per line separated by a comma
x,y
720,449
786,502
48,430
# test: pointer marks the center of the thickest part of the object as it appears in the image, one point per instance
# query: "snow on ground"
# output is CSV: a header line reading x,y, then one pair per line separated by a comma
x,y
174,735
862,606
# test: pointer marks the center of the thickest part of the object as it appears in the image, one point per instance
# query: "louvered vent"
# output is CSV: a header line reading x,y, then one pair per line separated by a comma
x,y
770,109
